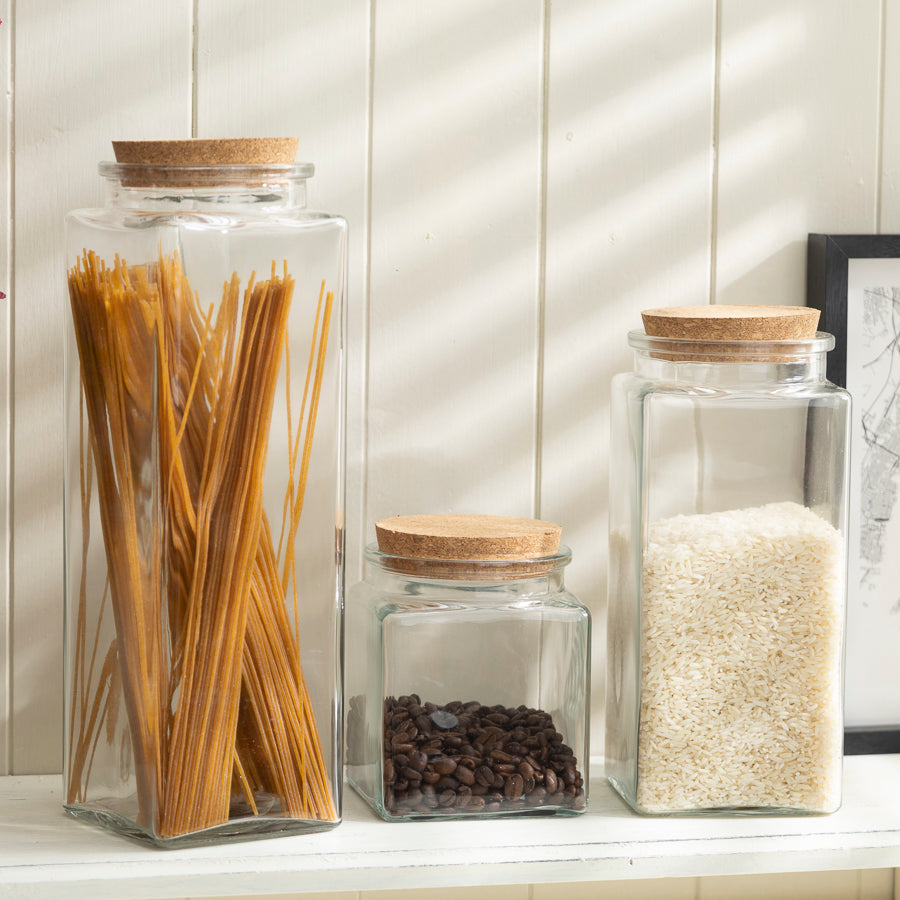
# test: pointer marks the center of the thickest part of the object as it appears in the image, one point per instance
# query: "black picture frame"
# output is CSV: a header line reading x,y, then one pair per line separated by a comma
x,y
829,258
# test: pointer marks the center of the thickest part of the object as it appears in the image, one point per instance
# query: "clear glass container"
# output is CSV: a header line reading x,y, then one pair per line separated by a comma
x,y
727,575
468,681
203,502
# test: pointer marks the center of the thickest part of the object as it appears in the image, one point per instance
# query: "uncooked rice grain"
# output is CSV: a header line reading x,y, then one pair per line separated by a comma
x,y
741,622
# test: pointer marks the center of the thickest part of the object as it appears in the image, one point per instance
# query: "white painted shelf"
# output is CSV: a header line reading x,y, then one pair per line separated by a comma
x,y
46,854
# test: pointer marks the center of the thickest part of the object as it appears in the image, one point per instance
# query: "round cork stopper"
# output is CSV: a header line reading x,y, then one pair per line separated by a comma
x,y
732,323
208,152
473,546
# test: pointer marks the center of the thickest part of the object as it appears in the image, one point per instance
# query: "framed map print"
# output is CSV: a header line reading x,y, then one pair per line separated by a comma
x,y
855,281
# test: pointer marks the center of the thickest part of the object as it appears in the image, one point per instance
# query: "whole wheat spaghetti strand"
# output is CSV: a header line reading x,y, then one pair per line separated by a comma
x,y
297,507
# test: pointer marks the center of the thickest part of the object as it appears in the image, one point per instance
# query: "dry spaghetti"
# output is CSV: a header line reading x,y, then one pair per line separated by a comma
x,y
205,657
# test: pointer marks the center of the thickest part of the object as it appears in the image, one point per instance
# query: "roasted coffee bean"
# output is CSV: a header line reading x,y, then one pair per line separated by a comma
x,y
447,798
550,781
443,765
418,761
429,776
475,804
525,770
484,775
479,789
512,787
423,723
465,775
447,782
389,775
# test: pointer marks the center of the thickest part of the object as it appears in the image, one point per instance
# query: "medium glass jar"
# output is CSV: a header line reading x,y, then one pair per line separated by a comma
x,y
468,682
727,578
203,484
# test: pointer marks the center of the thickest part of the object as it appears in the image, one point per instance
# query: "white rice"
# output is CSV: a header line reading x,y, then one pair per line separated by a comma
x,y
741,622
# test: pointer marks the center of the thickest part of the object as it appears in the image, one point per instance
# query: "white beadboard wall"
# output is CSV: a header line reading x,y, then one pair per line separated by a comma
x,y
521,177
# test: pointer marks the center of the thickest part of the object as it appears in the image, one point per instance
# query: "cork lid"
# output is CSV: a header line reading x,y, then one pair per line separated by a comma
x,y
732,323
469,546
185,162
728,333
208,152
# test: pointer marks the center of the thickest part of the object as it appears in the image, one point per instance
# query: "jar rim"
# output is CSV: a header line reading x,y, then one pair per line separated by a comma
x,y
470,569
148,176
692,350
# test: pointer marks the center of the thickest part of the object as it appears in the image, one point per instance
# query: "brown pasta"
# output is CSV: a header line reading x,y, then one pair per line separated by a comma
x,y
205,658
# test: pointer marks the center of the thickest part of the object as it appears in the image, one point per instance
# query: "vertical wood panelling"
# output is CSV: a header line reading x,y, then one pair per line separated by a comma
x,y
85,74
455,240
628,213
890,108
798,138
307,78
6,110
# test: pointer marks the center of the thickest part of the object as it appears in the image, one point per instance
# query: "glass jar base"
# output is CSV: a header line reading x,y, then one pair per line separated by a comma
x,y
723,811
235,830
436,814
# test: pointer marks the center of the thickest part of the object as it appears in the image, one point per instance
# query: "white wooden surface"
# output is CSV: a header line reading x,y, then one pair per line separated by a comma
x,y
84,73
44,854
629,199
799,98
520,178
6,114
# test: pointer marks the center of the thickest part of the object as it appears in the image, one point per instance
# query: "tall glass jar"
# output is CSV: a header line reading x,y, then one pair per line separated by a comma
x,y
203,496
468,683
727,577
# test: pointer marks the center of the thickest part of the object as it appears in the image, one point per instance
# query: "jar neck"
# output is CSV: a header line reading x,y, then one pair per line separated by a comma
x,y
206,189
731,363
489,577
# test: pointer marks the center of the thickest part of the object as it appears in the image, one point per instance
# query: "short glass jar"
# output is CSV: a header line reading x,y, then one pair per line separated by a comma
x,y
727,578
468,673
203,479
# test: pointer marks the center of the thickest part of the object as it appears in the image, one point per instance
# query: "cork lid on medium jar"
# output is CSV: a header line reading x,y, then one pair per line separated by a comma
x,y
732,323
729,333
470,546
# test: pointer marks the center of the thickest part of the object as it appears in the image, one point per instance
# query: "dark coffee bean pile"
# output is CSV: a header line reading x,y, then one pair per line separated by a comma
x,y
468,758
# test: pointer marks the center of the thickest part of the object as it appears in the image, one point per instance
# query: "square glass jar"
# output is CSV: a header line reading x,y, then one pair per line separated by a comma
x,y
468,678
727,574
204,475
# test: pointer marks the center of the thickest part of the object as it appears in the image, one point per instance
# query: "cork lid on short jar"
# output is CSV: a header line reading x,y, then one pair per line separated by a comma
x,y
469,546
